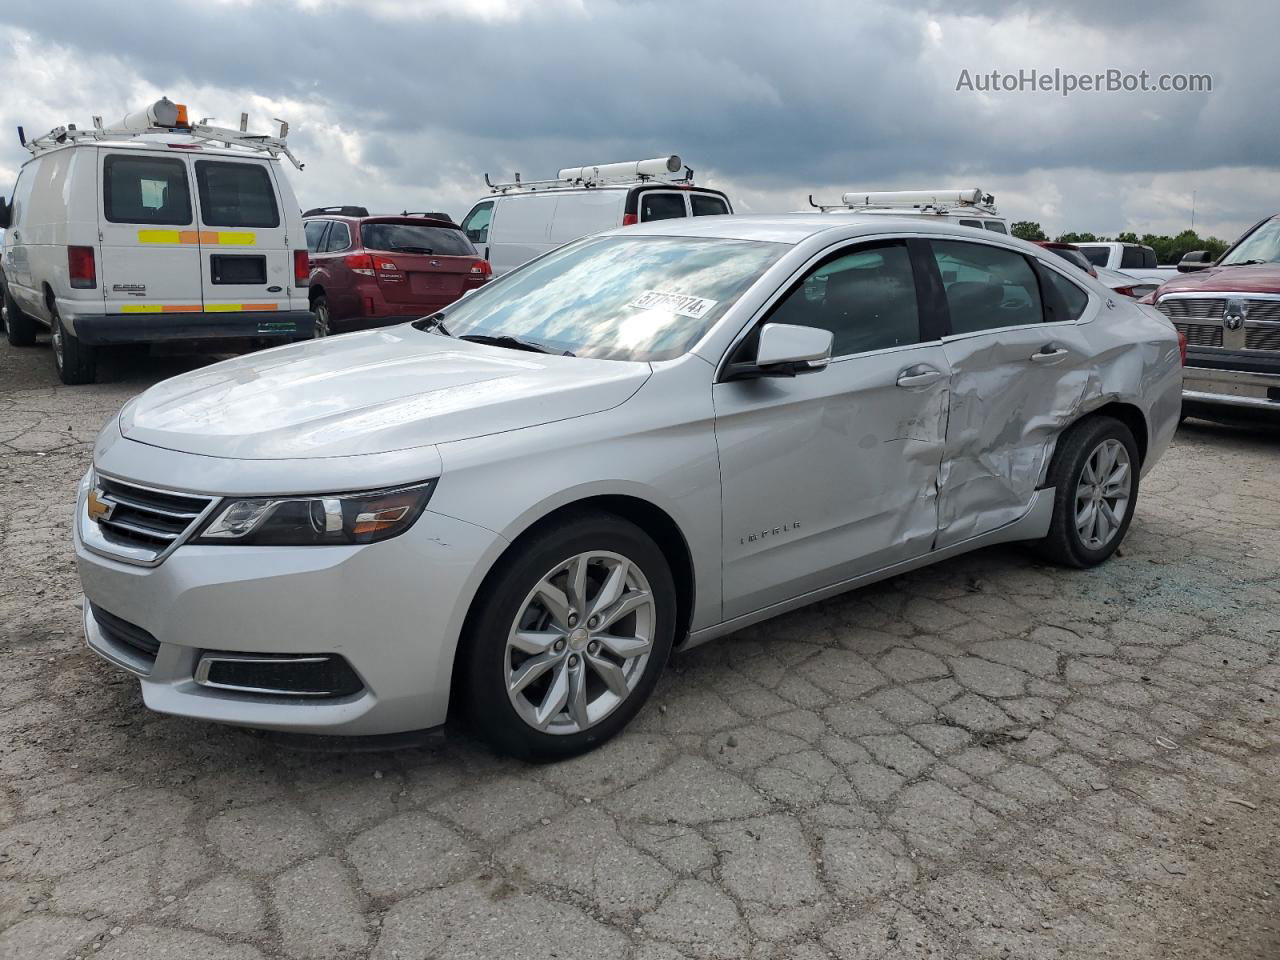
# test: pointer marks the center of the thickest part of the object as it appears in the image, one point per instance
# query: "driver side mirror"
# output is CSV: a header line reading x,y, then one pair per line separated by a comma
x,y
1195,260
6,214
784,350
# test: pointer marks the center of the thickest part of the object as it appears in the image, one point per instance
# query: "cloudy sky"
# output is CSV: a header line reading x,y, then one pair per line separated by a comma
x,y
397,103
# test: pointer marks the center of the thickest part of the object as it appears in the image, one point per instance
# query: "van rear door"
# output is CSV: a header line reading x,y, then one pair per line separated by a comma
x,y
247,264
150,243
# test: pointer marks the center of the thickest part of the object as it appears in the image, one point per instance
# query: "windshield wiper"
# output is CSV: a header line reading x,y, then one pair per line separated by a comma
x,y
510,342
434,322
1245,263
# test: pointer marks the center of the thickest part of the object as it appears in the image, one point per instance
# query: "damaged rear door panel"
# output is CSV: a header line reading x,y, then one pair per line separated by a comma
x,y
1021,369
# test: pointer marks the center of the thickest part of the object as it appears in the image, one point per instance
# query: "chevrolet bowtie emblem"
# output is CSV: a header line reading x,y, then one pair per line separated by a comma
x,y
99,509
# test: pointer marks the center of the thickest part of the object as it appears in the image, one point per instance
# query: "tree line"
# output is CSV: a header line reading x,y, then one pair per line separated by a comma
x,y
1169,250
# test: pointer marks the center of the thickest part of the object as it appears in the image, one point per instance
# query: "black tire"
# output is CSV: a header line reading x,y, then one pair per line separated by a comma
x,y
75,362
324,320
1064,543
19,329
483,659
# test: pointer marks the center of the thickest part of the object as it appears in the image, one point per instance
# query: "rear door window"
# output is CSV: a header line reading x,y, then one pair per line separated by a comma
x,y
995,226
655,205
416,238
707,206
314,231
145,190
476,224
236,194
987,287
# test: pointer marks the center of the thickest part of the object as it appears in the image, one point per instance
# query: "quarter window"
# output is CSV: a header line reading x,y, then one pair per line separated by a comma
x,y
314,231
145,190
866,298
987,287
707,206
1064,301
661,206
339,238
236,194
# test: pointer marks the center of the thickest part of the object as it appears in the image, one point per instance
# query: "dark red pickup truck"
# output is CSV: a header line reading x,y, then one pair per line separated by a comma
x,y
1230,313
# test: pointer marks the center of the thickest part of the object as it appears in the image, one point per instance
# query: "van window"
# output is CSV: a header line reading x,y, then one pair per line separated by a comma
x,y
707,206
971,223
995,226
476,224
661,206
145,190
314,230
236,194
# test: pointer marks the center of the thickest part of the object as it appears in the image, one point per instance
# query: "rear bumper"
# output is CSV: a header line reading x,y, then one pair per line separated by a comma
x,y
1244,389
110,328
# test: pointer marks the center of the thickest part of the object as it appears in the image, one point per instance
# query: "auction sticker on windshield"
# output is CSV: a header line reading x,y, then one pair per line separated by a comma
x,y
678,303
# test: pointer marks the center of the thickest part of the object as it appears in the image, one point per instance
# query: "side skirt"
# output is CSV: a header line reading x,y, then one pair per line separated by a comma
x,y
1032,525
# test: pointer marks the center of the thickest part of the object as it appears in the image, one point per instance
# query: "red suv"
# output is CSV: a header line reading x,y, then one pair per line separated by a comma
x,y
374,271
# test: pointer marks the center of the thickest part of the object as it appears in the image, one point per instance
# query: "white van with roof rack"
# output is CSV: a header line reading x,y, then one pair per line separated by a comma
x,y
523,219
155,229
968,207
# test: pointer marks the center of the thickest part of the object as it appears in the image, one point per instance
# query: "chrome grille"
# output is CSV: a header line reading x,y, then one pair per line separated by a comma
x,y
1192,308
1262,338
1201,334
1266,311
141,518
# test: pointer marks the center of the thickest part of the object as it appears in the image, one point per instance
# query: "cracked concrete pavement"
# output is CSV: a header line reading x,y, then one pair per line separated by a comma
x,y
988,758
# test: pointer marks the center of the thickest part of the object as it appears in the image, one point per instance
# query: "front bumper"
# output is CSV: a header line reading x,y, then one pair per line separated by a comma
x,y
112,328
392,610
1245,389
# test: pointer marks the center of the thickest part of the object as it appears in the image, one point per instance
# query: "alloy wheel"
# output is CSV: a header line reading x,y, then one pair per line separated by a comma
x,y
579,645
1102,495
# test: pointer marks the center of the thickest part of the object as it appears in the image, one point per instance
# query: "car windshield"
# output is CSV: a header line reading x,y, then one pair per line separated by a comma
x,y
616,297
1261,246
1095,255
416,238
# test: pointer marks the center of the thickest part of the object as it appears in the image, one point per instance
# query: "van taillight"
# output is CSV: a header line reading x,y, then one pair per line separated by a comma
x,y
301,268
482,268
630,219
81,266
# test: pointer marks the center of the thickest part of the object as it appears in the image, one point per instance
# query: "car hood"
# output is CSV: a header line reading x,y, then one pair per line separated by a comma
x,y
372,392
1255,278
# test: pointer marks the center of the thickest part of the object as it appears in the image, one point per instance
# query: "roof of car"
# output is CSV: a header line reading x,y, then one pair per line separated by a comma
x,y
792,228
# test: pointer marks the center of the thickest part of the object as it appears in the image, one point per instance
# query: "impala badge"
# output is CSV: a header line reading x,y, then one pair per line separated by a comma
x,y
1234,315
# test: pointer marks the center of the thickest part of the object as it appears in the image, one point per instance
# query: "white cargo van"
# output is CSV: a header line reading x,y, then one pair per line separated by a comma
x,y
968,207
154,230
525,219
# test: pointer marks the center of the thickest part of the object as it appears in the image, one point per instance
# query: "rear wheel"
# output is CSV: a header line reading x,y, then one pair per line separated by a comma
x,y
320,307
1095,480
76,362
570,636
20,329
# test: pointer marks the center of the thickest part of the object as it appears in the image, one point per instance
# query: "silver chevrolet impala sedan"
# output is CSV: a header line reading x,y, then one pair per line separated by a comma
x,y
644,439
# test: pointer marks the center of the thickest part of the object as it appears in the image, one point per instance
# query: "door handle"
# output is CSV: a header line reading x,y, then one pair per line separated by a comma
x,y
920,375
1050,354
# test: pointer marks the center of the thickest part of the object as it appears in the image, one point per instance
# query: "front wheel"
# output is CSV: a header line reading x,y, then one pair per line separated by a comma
x,y
76,363
569,637
1095,479
19,328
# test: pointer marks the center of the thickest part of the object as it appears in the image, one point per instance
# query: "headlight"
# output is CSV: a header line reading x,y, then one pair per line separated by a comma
x,y
317,520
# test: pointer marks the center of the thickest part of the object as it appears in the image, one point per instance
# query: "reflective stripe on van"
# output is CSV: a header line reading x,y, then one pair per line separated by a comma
x,y
218,237
196,308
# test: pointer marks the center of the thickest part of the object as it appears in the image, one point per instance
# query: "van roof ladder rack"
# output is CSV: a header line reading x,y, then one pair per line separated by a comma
x,y
661,169
166,117
940,202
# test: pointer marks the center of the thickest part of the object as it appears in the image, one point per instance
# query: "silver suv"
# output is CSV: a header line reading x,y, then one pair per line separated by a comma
x,y
644,439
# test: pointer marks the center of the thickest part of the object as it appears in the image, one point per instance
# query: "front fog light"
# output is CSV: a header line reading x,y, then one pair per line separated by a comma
x,y
317,520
